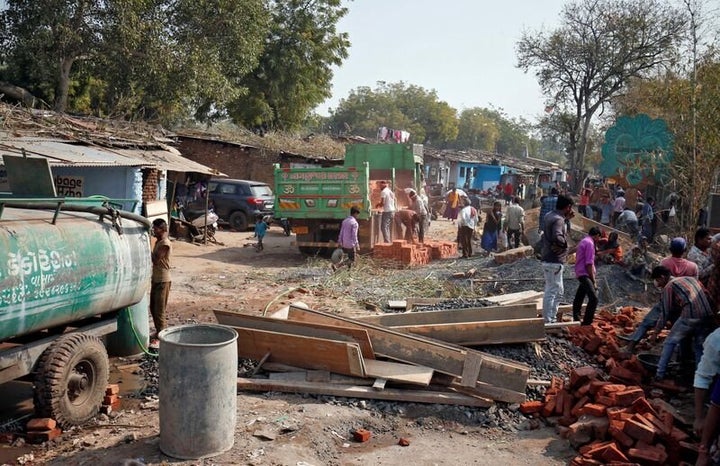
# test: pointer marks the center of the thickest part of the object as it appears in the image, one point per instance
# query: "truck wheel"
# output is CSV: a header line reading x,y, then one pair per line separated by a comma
x,y
238,221
71,378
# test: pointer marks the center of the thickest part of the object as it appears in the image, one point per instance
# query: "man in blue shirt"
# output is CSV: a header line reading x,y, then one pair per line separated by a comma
x,y
547,205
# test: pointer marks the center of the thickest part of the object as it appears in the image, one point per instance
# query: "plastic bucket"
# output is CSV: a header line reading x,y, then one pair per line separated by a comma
x,y
198,390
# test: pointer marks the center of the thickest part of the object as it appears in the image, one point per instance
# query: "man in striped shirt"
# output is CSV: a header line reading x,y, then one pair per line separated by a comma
x,y
685,302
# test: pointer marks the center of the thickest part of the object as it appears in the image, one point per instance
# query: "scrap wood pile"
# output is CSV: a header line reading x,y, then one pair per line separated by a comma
x,y
411,356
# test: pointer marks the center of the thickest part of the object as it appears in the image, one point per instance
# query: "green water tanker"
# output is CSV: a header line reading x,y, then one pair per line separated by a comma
x,y
68,270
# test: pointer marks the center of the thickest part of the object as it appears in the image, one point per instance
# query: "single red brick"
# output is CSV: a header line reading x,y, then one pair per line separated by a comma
x,y
652,455
614,412
594,409
613,453
41,423
112,389
577,408
605,400
109,399
596,385
639,431
611,388
582,375
530,407
403,442
642,406
40,436
621,437
627,397
549,408
361,435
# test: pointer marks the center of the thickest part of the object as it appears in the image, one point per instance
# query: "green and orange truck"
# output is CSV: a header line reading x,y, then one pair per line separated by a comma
x,y
316,200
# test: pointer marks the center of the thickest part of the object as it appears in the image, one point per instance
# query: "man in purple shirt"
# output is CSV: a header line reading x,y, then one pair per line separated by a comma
x,y
348,238
585,273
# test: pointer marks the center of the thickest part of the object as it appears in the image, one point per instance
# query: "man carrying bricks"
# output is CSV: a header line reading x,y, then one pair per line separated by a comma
x,y
387,203
554,254
585,273
686,302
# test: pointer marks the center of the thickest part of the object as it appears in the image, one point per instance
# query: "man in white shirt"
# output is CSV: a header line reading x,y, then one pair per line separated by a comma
x,y
467,221
387,203
515,222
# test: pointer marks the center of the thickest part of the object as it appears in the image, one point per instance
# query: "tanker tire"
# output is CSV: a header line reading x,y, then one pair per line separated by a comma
x,y
70,379
238,221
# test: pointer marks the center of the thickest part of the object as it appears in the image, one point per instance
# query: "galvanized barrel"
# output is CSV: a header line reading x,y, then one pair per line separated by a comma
x,y
198,390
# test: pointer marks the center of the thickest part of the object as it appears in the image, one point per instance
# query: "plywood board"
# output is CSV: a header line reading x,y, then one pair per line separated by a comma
x,y
359,336
499,379
483,333
351,391
301,351
452,316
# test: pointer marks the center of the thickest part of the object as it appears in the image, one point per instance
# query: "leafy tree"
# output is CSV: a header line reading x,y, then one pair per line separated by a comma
x,y
589,58
476,130
43,40
397,106
295,71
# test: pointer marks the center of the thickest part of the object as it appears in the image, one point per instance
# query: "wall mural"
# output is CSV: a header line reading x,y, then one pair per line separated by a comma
x,y
636,148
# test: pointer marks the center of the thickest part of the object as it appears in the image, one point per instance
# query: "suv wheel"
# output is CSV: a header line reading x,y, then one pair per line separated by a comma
x,y
238,221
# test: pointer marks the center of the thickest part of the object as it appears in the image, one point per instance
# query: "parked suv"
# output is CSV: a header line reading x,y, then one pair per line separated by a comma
x,y
239,201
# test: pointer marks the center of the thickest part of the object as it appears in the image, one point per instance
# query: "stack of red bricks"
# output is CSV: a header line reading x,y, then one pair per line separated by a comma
x,y
414,253
599,339
111,402
612,422
41,430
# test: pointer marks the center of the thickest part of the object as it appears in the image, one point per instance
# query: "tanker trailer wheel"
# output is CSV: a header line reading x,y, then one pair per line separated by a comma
x,y
71,378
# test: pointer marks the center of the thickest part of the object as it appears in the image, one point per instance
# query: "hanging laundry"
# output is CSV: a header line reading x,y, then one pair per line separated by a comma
x,y
382,133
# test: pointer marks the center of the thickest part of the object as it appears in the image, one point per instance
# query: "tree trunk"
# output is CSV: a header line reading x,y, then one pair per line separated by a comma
x,y
63,86
19,93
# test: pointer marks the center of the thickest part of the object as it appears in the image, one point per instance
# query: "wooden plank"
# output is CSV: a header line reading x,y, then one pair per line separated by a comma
x,y
320,377
515,298
350,391
307,352
560,325
496,332
398,372
475,314
471,370
308,329
499,379
412,302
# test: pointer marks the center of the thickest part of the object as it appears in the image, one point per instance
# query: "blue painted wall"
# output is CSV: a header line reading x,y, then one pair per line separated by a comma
x,y
112,182
488,176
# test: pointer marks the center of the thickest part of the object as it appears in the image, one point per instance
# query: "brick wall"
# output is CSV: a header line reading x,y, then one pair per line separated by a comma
x,y
235,161
150,184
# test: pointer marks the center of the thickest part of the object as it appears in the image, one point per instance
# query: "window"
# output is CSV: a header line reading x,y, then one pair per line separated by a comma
x,y
462,172
227,189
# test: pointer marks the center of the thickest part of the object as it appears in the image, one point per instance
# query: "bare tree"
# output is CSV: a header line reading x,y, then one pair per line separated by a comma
x,y
588,59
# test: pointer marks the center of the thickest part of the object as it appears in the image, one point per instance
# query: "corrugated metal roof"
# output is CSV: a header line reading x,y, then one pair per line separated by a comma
x,y
63,154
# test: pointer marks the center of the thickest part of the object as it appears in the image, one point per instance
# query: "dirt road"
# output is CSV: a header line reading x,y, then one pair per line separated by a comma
x,y
305,430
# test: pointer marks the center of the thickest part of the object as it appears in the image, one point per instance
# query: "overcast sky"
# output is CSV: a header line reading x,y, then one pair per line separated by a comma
x,y
464,49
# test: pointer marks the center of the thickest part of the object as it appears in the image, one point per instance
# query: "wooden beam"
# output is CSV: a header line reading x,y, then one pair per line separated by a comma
x,y
306,352
475,314
308,329
319,377
495,332
351,391
515,298
500,379
398,372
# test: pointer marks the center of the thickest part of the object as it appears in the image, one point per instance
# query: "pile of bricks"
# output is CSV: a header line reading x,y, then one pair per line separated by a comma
x,y
40,430
111,402
599,339
415,253
612,422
